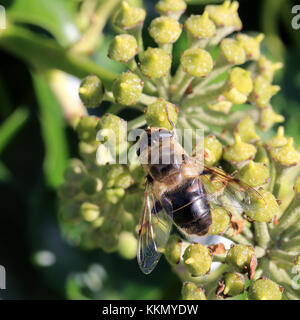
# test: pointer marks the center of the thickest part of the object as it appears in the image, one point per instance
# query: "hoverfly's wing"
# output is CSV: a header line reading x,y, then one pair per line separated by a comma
x,y
227,191
154,230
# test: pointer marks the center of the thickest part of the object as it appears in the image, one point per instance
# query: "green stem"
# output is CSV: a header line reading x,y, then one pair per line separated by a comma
x,y
147,100
292,245
282,256
262,234
136,123
181,88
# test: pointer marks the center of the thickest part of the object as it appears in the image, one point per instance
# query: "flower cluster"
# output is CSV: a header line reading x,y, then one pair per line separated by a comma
x,y
224,86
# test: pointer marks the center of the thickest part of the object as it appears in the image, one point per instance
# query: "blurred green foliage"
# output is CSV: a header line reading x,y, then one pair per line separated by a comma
x,y
36,142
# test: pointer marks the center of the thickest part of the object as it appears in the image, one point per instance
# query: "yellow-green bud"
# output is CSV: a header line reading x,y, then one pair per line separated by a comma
x,y
75,171
89,211
239,86
91,91
265,289
114,195
268,118
123,48
165,30
173,249
155,63
239,151
91,185
88,150
172,8
213,150
225,15
196,62
127,245
268,68
111,123
222,106
251,45
200,26
86,128
263,91
279,140
262,208
233,52
234,284
239,256
255,174
220,221
286,155
190,291
129,17
157,116
246,130
127,88
197,259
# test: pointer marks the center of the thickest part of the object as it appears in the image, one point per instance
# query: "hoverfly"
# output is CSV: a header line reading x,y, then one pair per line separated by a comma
x,y
180,192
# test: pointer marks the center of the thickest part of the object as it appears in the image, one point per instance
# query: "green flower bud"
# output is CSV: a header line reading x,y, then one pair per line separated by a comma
x,y
251,45
155,63
263,91
70,212
86,128
246,130
89,211
128,221
265,289
190,291
196,62
286,155
75,171
268,68
197,259
109,124
114,195
239,256
68,190
239,86
113,175
165,30
111,225
88,150
200,26
172,8
262,208
127,245
173,249
255,174
225,15
220,221
222,106
213,150
279,140
91,91
157,116
234,284
91,185
109,242
268,118
239,151
127,88
233,51
129,17
123,48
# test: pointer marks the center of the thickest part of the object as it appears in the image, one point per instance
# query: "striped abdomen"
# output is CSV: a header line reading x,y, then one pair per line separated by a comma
x,y
189,207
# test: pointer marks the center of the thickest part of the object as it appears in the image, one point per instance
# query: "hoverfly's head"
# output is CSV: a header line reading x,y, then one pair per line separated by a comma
x,y
156,151
153,137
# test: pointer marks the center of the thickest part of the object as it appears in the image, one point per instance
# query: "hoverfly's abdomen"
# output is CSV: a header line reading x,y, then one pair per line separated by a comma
x,y
189,207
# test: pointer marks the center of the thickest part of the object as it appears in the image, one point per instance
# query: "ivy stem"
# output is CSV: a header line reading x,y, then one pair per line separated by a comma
x,y
262,234
292,245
